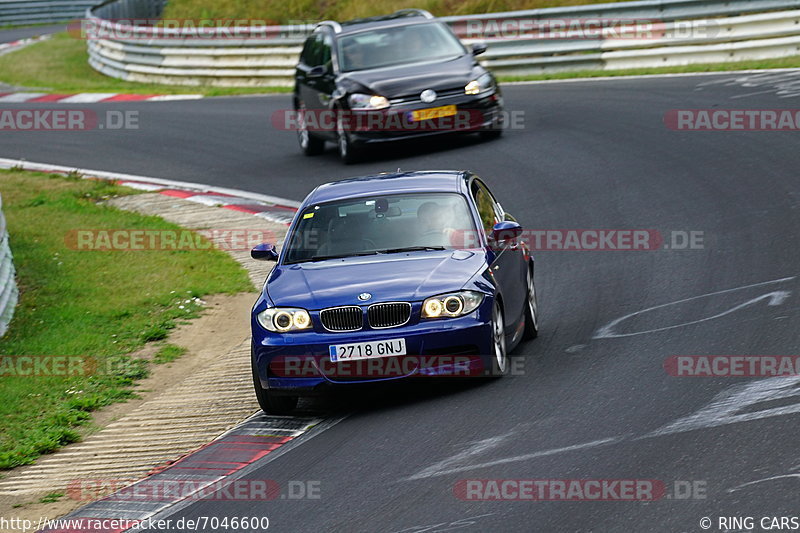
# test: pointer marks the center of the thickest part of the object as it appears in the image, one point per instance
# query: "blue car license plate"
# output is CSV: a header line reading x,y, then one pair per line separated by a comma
x,y
367,350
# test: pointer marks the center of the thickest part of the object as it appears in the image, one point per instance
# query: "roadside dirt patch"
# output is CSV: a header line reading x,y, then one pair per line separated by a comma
x,y
224,323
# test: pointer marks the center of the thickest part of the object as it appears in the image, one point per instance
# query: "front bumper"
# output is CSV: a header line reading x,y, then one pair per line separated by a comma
x,y
473,113
299,362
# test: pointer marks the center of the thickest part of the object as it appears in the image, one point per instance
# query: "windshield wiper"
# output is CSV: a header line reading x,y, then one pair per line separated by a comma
x,y
411,249
371,252
340,256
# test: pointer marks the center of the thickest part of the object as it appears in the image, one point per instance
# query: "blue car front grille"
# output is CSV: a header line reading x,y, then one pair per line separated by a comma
x,y
388,315
349,318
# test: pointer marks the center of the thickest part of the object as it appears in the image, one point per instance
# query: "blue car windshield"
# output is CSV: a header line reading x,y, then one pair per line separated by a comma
x,y
381,225
399,45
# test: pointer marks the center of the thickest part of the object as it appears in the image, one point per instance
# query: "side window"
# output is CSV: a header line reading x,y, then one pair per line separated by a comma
x,y
485,204
304,55
325,52
312,55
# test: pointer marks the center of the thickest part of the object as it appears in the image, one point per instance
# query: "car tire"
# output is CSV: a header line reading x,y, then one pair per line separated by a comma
x,y
493,131
269,402
489,134
309,144
531,308
500,361
348,153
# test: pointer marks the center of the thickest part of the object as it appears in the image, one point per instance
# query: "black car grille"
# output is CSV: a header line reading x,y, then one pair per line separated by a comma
x,y
342,318
388,315
415,99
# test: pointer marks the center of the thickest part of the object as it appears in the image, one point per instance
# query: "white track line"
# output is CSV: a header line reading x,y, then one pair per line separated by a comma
x,y
173,97
20,97
86,98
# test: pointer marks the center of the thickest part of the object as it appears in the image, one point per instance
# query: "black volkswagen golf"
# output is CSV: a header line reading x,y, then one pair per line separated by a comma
x,y
388,78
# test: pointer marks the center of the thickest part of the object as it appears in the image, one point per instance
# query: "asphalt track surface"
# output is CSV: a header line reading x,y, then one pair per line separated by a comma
x,y
591,155
13,34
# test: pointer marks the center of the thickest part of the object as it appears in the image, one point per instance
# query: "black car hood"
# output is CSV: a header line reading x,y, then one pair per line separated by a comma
x,y
394,82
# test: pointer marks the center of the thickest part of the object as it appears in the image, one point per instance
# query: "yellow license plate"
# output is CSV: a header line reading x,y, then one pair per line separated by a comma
x,y
433,112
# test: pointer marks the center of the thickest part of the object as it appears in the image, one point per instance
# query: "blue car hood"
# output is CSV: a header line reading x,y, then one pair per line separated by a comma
x,y
395,277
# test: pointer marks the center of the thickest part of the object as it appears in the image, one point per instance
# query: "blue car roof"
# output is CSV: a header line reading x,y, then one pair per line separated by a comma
x,y
388,183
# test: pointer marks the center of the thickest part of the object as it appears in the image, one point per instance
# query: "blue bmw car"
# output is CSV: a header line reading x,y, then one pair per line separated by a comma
x,y
393,276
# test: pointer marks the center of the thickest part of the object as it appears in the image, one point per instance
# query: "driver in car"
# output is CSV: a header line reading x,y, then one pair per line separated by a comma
x,y
414,45
354,56
435,224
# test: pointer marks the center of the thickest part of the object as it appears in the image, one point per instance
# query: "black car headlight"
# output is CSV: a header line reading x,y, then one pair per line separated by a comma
x,y
452,304
484,83
367,101
283,319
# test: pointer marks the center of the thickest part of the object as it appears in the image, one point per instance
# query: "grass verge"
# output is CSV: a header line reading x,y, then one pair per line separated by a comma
x,y
312,10
168,353
61,65
97,305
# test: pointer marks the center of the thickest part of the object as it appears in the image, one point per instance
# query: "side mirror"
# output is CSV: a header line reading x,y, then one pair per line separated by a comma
x,y
317,72
506,230
478,48
264,252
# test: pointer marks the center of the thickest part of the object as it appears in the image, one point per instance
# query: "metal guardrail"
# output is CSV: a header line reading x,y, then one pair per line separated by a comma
x,y
127,9
8,285
21,12
718,31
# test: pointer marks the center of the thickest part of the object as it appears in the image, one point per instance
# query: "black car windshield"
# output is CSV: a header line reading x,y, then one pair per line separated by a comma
x,y
381,225
398,45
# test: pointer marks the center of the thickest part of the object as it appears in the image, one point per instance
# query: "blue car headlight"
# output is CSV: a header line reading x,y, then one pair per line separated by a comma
x,y
483,83
452,304
283,319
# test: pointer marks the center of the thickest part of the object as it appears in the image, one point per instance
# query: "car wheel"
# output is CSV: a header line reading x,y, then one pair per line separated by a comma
x,y
309,144
493,131
347,152
531,309
488,134
499,356
270,403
